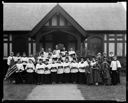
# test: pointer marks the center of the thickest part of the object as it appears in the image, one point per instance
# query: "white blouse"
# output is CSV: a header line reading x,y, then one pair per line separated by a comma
x,y
30,67
115,64
40,68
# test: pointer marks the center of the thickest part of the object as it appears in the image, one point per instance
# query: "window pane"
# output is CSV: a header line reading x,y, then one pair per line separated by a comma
x,y
34,48
125,37
119,39
29,46
105,47
105,37
5,39
5,49
119,49
62,21
111,35
10,47
111,39
54,21
112,47
10,37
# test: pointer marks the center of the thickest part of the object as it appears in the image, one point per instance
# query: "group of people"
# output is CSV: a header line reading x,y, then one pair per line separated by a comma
x,y
61,66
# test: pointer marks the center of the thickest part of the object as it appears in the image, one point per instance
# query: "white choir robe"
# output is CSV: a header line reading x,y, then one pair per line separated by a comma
x,y
30,67
57,52
47,71
92,63
24,60
54,67
19,67
16,58
38,58
66,67
32,58
71,52
115,65
60,68
9,59
81,67
74,67
40,68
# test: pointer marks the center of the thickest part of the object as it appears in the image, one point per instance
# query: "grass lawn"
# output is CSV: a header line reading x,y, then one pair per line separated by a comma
x,y
117,92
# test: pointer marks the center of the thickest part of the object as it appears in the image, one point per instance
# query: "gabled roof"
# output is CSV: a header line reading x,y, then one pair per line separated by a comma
x,y
60,10
90,16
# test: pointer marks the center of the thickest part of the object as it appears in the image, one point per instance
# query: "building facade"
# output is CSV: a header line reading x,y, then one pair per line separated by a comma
x,y
58,26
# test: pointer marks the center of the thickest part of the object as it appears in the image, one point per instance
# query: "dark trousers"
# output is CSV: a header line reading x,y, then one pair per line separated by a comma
x,y
47,78
74,78
60,78
115,77
18,78
40,78
34,78
53,77
23,74
81,77
29,78
66,77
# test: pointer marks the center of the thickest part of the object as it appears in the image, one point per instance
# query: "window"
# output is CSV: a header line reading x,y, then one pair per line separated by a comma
x,y
105,37
10,47
105,47
62,21
5,50
54,21
34,48
119,49
125,49
112,47
10,37
29,46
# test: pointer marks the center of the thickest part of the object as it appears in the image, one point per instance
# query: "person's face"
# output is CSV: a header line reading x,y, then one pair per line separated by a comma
x,y
49,50
24,54
71,49
64,49
82,59
66,60
56,46
42,49
12,54
114,58
30,61
17,54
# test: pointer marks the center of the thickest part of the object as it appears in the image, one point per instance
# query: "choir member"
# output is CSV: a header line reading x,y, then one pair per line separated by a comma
x,y
30,68
24,60
66,74
57,51
106,72
20,68
32,58
63,53
115,68
17,57
54,71
89,72
60,71
74,71
96,71
82,76
10,63
40,72
47,72
99,58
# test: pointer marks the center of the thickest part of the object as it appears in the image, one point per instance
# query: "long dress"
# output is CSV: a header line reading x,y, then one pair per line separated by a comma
x,y
89,75
96,74
106,73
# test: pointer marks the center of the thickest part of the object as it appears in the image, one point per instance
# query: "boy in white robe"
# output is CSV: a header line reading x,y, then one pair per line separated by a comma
x,y
82,76
74,71
47,72
115,68
66,74
30,69
60,71
40,72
